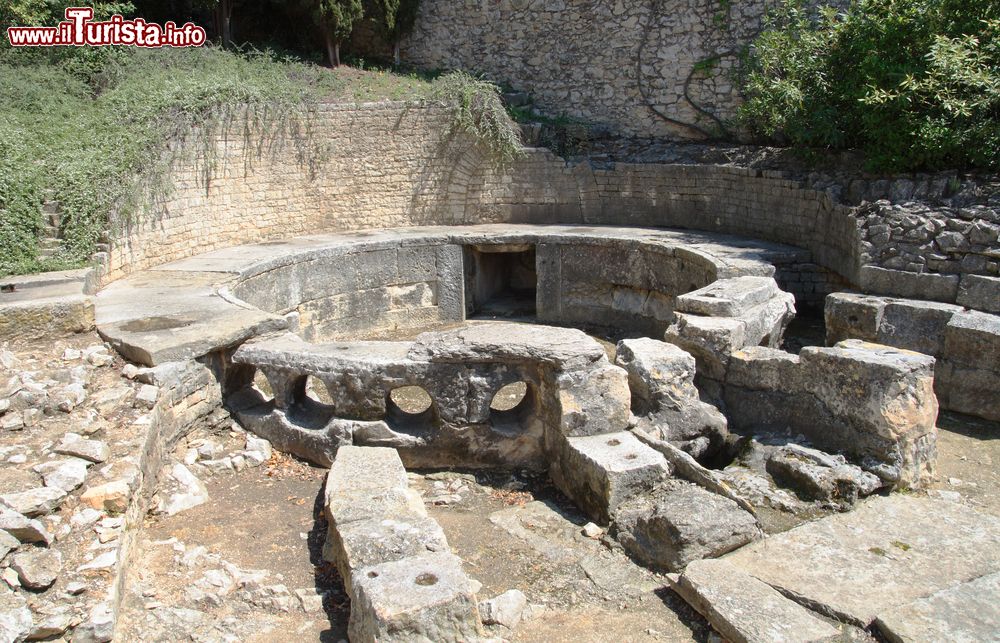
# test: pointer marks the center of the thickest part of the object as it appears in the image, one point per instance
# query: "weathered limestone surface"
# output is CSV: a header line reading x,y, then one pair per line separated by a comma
x,y
745,610
349,285
728,315
661,379
878,558
965,343
818,476
403,581
566,373
871,402
965,613
600,472
45,306
523,44
681,522
420,598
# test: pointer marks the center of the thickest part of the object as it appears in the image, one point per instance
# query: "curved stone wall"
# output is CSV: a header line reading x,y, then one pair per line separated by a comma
x,y
616,277
390,165
352,284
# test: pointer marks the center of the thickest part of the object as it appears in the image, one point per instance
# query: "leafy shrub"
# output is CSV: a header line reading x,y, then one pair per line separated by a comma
x,y
915,84
481,113
91,133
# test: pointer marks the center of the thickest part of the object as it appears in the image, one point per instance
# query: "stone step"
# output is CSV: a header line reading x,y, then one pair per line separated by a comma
x,y
745,610
966,612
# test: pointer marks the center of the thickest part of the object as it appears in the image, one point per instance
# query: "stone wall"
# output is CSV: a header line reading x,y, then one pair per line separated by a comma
x,y
607,62
391,165
965,343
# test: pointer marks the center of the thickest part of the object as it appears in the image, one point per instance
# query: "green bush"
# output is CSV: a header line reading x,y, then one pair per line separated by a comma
x,y
914,84
89,131
481,113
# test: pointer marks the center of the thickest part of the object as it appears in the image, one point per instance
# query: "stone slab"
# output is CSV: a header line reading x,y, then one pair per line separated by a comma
x,y
365,468
600,472
966,613
980,293
883,555
744,610
421,598
560,347
728,297
679,523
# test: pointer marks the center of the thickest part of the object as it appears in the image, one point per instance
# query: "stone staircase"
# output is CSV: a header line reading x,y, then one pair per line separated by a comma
x,y
50,242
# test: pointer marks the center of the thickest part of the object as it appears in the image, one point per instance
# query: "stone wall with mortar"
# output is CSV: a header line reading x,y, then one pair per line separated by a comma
x,y
606,62
390,165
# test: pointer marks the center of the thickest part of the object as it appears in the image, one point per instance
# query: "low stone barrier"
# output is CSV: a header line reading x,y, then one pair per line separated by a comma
x,y
965,343
874,403
403,580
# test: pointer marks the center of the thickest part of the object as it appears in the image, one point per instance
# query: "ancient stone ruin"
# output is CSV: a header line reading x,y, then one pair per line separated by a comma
x,y
414,396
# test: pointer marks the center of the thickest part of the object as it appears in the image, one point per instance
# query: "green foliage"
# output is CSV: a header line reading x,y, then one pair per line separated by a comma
x,y
480,112
339,16
915,84
94,140
397,17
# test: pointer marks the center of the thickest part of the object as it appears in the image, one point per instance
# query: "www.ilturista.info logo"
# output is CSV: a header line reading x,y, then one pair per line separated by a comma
x,y
79,30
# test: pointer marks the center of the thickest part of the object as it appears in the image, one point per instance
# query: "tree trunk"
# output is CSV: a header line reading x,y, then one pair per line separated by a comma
x,y
225,18
332,49
395,53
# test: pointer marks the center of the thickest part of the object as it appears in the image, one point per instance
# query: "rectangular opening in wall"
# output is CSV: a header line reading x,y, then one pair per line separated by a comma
x,y
500,281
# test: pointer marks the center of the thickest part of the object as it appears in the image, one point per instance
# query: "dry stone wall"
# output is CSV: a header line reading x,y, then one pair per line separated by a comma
x,y
608,62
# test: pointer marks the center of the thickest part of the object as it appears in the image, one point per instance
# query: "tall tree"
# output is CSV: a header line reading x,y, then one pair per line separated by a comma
x,y
397,18
337,18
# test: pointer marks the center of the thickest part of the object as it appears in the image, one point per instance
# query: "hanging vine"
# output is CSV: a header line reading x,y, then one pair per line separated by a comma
x,y
720,20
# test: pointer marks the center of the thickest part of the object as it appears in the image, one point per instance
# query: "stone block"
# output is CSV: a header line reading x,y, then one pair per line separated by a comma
x,y
762,368
745,610
710,339
980,293
593,401
420,598
973,391
896,283
359,469
600,472
661,377
728,297
682,522
973,339
852,316
382,539
915,325
883,398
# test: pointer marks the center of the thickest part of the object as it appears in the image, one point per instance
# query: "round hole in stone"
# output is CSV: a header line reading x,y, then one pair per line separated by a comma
x,y
261,384
631,456
372,574
412,400
614,442
509,396
426,579
316,389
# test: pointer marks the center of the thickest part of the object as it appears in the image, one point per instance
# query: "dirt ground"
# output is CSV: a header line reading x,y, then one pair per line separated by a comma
x,y
513,530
